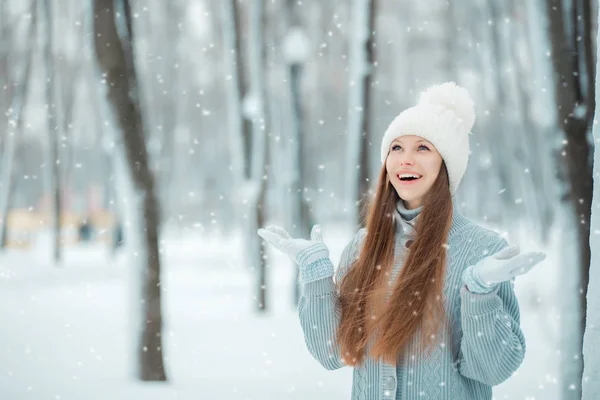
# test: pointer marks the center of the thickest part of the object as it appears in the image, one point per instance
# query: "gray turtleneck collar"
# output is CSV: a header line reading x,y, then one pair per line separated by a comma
x,y
406,219
407,215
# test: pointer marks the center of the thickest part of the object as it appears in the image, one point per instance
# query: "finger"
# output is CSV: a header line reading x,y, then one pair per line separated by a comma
x,y
270,237
282,233
272,231
521,269
527,261
507,252
315,233
534,257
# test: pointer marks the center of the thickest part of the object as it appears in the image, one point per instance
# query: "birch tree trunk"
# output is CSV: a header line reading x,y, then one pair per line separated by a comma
x,y
590,385
575,100
5,47
295,47
14,129
231,41
69,79
257,185
53,158
362,56
248,127
114,54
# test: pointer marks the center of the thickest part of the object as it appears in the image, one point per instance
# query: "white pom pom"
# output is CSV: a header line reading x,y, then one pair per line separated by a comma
x,y
452,97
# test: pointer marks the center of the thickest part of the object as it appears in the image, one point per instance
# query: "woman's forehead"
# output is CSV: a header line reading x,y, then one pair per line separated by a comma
x,y
410,138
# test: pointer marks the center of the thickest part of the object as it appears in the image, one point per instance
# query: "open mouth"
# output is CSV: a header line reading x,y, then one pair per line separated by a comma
x,y
407,178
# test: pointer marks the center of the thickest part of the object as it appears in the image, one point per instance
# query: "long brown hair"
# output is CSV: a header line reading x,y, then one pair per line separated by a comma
x,y
416,301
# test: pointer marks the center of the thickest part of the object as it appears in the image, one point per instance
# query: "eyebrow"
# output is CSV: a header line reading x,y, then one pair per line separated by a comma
x,y
418,141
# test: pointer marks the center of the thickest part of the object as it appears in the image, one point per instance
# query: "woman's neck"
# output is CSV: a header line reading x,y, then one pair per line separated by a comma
x,y
405,213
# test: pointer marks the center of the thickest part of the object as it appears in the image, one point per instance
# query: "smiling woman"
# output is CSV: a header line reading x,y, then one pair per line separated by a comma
x,y
422,305
412,165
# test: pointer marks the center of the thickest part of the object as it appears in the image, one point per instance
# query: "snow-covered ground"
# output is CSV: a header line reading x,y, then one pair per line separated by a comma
x,y
65,332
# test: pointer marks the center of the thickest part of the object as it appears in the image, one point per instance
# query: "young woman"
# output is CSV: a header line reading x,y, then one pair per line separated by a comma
x,y
422,305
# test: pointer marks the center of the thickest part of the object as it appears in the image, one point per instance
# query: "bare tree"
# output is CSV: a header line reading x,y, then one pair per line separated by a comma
x,y
295,50
572,59
5,41
256,186
53,158
14,128
8,29
590,385
362,57
234,62
248,127
114,55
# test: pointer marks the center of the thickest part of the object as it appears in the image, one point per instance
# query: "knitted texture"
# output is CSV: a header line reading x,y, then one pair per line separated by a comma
x,y
482,348
319,269
474,284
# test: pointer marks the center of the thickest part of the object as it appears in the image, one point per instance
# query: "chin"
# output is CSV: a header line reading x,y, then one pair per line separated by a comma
x,y
412,196
409,198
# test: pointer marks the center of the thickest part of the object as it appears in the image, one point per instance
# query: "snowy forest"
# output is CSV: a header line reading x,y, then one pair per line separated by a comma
x,y
144,142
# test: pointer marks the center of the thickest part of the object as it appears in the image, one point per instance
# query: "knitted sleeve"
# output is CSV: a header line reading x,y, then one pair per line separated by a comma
x,y
320,313
492,345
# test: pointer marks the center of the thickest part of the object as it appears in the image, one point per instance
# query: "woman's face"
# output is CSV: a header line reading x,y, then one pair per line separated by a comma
x,y
412,156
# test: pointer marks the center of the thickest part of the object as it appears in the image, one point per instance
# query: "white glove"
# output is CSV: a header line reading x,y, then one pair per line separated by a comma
x,y
305,253
502,266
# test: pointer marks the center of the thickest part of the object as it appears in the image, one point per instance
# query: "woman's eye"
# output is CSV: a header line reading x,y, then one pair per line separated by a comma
x,y
423,147
396,147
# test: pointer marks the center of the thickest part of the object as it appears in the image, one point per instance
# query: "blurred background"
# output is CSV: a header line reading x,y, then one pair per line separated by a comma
x,y
143,142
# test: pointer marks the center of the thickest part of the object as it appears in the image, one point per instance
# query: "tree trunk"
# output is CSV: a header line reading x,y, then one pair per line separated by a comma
x,y
591,340
260,127
6,199
248,130
14,128
70,78
300,212
114,55
53,129
5,46
362,57
231,41
575,101
243,86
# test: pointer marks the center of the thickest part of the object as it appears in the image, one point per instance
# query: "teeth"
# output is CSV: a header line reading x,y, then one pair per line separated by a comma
x,y
409,176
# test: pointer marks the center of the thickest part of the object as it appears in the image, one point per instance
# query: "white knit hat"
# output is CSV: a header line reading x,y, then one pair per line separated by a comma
x,y
444,116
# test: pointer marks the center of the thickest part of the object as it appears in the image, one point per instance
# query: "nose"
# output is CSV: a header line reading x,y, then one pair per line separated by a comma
x,y
407,159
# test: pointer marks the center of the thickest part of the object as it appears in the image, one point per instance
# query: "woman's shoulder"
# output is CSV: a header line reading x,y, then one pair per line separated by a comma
x,y
481,241
471,230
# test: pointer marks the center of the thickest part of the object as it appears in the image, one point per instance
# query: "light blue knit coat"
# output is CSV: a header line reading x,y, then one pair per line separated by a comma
x,y
485,345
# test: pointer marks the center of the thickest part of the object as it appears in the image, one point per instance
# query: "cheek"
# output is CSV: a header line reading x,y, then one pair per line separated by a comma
x,y
434,171
389,164
433,166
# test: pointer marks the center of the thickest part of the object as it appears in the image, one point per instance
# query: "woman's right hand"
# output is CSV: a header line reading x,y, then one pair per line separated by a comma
x,y
303,252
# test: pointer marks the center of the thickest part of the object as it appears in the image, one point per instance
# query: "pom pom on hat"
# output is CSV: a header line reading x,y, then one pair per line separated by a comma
x,y
444,115
454,98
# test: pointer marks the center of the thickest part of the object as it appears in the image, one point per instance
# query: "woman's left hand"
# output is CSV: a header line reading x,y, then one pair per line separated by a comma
x,y
501,266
